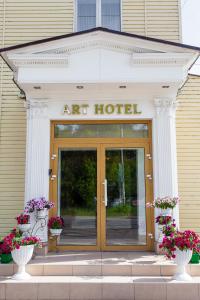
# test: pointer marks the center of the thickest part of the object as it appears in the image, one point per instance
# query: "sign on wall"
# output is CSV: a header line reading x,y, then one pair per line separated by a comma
x,y
102,109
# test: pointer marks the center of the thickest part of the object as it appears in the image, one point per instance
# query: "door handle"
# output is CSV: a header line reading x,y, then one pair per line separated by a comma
x,y
105,193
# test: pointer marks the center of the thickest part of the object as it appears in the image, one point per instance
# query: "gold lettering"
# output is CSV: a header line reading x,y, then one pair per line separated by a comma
x,y
66,110
76,109
84,108
135,109
109,109
99,109
119,108
127,109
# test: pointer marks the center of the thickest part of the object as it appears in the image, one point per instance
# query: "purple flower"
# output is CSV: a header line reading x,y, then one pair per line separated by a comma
x,y
38,204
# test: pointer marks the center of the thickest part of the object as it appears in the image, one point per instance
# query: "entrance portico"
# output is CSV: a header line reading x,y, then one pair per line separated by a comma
x,y
97,76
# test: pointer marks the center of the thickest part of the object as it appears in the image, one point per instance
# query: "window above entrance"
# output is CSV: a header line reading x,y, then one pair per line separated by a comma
x,y
98,13
135,130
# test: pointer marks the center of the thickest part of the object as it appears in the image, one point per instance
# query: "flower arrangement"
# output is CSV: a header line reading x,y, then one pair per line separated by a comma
x,y
164,203
163,220
15,239
186,240
56,223
37,204
23,219
17,242
169,229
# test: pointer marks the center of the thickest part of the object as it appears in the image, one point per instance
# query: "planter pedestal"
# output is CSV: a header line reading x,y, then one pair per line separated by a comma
x,y
21,257
182,259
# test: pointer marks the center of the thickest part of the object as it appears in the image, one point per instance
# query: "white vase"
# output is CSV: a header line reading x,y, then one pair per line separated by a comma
x,y
182,259
24,227
166,212
41,214
21,257
55,231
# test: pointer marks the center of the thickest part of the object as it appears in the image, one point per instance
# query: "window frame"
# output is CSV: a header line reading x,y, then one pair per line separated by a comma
x,y
98,15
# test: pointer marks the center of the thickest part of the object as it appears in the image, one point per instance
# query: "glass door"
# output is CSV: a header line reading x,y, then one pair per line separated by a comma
x,y
125,188
101,191
77,192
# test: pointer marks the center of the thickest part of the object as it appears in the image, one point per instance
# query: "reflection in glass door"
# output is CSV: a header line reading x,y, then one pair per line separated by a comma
x,y
77,195
101,193
124,196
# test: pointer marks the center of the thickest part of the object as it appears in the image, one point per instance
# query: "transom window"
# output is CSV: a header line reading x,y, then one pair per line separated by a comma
x,y
95,13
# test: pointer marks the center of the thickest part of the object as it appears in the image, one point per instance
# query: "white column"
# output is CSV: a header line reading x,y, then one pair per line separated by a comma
x,y
37,155
141,193
164,149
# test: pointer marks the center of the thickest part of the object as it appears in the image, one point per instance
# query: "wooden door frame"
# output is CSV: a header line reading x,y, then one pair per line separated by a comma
x,y
100,144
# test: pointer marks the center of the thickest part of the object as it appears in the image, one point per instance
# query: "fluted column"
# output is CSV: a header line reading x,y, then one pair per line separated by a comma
x,y
164,147
37,155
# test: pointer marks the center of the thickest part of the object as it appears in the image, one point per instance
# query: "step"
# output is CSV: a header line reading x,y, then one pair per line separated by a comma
x,y
98,270
99,287
100,264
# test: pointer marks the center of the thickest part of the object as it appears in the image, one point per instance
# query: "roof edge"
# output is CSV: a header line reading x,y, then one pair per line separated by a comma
x,y
121,33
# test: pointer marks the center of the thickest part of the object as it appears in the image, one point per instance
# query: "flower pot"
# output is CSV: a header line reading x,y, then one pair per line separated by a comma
x,y
182,259
41,214
55,231
6,258
21,257
24,227
166,212
194,259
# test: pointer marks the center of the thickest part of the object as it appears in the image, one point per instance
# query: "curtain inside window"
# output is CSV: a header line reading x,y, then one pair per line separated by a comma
x,y
86,14
110,10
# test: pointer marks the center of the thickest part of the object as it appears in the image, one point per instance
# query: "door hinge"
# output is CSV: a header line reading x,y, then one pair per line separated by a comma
x,y
148,156
53,177
53,156
148,176
150,235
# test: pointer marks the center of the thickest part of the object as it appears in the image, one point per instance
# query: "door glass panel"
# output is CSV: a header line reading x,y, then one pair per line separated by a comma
x,y
77,196
101,130
125,210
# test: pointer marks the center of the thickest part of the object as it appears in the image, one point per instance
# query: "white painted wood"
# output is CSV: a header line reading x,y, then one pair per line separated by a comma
x,y
164,152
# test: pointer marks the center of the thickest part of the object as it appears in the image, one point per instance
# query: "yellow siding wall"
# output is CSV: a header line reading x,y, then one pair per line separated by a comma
x,y
188,148
154,18
21,21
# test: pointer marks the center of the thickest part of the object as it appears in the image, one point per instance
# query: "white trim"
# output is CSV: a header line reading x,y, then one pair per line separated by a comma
x,y
98,13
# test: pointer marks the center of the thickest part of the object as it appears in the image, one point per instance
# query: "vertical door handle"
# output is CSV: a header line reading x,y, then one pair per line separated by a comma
x,y
105,192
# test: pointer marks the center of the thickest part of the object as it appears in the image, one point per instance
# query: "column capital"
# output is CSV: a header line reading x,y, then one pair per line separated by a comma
x,y
166,106
36,109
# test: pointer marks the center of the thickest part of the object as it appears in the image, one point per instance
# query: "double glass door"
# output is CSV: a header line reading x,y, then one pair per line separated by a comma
x,y
101,191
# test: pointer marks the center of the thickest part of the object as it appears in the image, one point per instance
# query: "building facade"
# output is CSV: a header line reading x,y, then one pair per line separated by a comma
x,y
97,103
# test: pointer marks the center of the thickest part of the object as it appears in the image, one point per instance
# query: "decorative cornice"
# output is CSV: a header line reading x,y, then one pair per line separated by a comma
x,y
39,60
100,43
159,59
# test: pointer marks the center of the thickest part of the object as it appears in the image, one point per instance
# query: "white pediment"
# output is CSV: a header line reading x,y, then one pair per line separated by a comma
x,y
57,52
99,58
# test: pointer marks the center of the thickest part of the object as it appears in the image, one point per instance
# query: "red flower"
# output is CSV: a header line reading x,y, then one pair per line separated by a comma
x,y
23,219
56,223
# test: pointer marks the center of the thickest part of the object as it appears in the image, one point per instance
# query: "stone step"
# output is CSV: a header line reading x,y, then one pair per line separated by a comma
x,y
109,269
99,288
